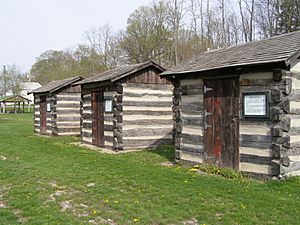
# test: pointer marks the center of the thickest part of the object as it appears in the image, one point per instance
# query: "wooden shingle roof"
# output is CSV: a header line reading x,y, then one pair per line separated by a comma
x,y
275,49
56,85
119,72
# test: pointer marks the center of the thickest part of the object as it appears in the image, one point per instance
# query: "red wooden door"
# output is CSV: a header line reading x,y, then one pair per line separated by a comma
x,y
43,115
97,119
221,122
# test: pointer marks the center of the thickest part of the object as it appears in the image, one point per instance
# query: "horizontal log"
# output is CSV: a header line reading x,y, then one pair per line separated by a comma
x,y
144,131
147,98
87,108
147,122
143,112
254,159
147,108
256,151
255,144
191,89
295,95
191,157
187,138
67,111
192,121
187,107
109,138
144,86
69,98
86,134
294,107
255,168
148,103
87,98
61,130
148,143
193,147
255,129
61,118
255,138
167,94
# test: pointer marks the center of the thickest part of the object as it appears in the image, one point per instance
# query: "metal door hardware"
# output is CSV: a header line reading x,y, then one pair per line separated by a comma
x,y
206,89
206,113
206,126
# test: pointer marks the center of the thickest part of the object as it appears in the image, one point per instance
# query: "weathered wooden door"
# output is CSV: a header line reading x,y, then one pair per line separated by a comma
x,y
43,115
221,121
97,118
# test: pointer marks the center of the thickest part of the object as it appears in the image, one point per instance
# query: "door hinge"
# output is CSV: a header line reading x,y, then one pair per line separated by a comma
x,y
206,113
206,126
206,89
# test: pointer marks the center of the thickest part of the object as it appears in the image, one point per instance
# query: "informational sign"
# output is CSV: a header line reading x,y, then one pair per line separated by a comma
x,y
108,105
255,105
48,107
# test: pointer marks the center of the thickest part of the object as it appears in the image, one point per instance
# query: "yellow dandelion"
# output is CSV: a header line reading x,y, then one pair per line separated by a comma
x,y
94,211
135,220
105,201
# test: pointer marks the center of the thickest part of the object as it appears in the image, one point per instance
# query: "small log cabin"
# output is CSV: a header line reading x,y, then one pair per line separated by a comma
x,y
239,107
126,108
57,108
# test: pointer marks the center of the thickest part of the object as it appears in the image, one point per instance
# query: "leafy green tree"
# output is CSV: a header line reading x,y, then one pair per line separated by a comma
x,y
147,35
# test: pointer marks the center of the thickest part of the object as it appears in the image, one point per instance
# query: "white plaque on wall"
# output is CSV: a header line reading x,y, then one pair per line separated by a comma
x,y
255,105
48,107
108,105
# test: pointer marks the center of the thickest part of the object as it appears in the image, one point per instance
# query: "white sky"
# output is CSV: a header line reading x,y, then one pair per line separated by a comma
x,y
29,27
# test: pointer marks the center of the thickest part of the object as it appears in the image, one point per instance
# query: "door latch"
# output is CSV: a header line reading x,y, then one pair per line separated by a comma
x,y
206,126
206,113
206,89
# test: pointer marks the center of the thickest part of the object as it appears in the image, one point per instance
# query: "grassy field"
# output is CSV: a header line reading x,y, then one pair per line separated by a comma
x,y
52,181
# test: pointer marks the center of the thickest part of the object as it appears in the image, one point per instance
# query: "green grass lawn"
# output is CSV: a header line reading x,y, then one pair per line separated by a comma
x,y
51,181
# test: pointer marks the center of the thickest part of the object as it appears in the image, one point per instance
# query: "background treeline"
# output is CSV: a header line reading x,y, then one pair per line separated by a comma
x,y
169,31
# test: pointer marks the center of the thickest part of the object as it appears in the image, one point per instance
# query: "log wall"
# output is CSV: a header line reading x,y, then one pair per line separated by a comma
x,y
37,114
86,118
66,114
290,149
188,119
146,115
268,146
256,141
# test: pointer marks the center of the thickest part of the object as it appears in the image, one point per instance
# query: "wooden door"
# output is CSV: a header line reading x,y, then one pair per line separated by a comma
x,y
97,119
43,115
221,122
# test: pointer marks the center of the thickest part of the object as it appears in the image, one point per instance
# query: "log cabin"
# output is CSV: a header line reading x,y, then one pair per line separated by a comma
x,y
239,107
127,108
57,108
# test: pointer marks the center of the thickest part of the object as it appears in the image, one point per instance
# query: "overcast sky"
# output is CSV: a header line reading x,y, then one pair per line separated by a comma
x,y
29,27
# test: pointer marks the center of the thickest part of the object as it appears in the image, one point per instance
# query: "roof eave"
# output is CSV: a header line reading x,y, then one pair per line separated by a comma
x,y
65,84
150,63
166,73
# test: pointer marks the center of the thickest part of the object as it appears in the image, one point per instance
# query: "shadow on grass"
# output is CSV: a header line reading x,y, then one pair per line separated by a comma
x,y
166,151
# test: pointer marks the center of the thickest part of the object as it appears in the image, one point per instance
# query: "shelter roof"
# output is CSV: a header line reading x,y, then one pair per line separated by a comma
x,y
56,85
281,48
17,98
119,72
